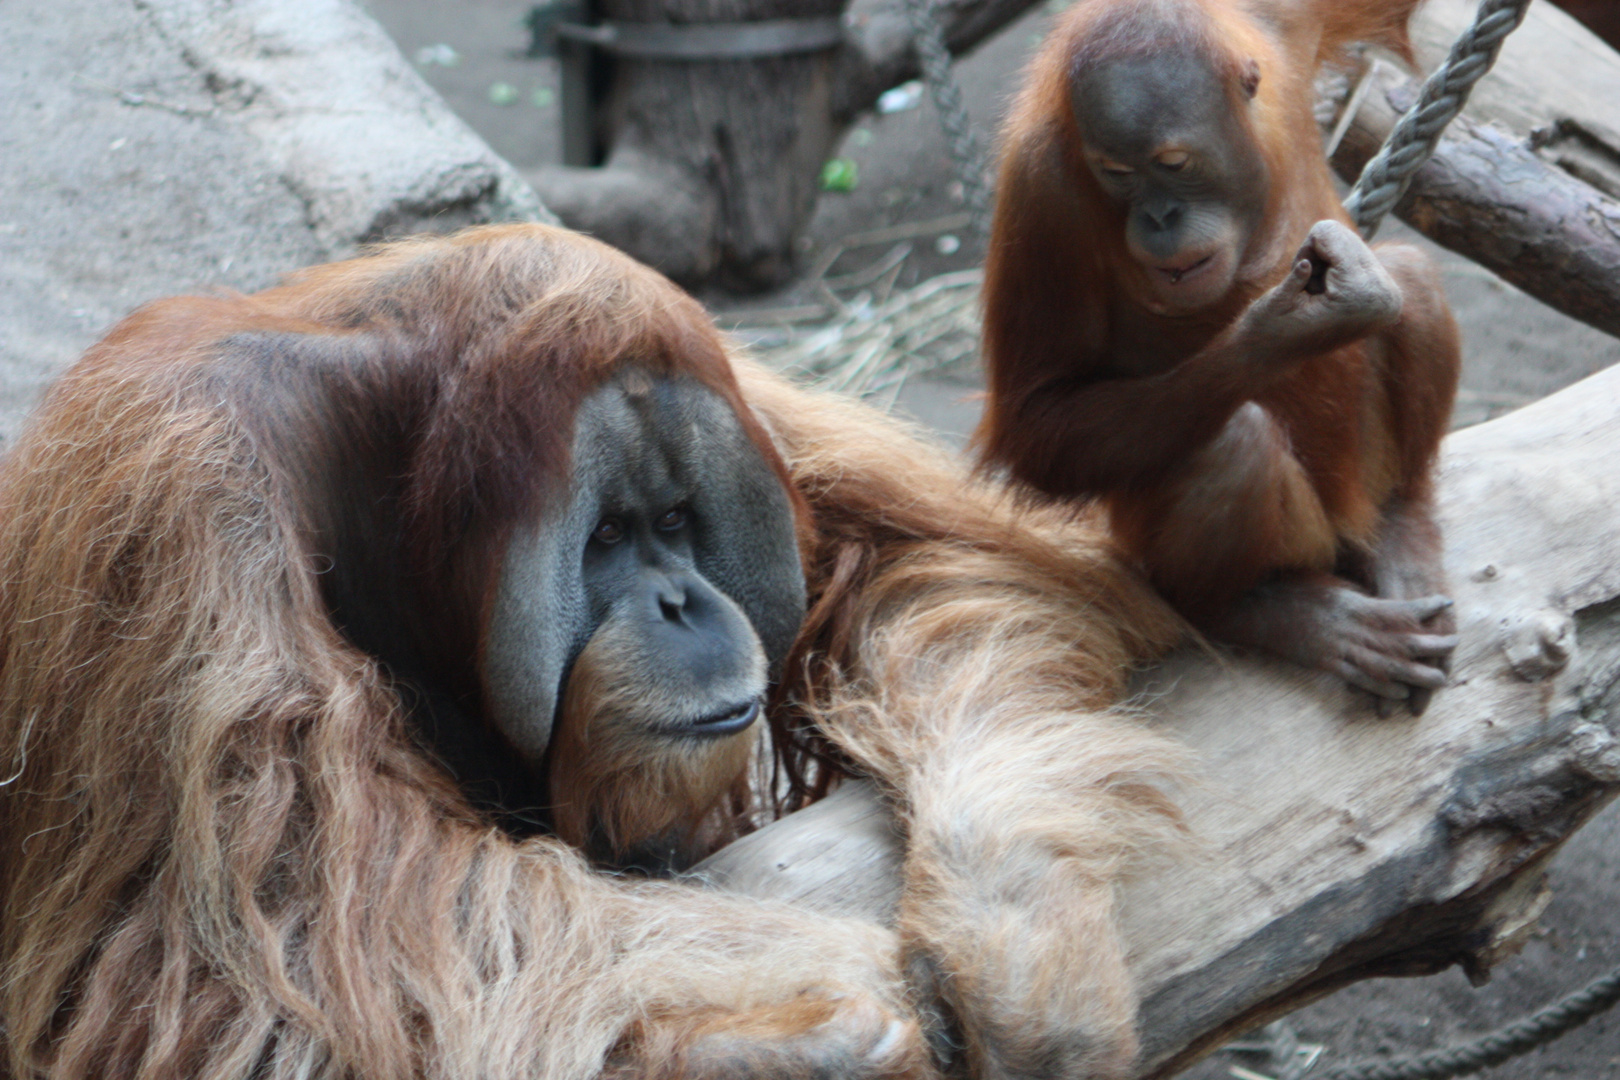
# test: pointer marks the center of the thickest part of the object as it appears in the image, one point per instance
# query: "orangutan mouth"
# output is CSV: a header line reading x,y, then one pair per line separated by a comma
x,y
1176,275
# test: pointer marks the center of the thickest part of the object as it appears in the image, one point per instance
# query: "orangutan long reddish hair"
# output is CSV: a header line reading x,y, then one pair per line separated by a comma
x,y
234,842
1179,323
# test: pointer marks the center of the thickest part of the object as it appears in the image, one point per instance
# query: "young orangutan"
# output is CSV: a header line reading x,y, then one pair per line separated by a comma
x,y
1179,321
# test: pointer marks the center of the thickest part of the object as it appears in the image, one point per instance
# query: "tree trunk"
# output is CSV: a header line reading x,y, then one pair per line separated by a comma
x,y
712,165
1335,846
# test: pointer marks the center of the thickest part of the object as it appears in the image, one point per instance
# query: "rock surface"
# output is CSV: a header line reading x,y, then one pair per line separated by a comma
x,y
160,146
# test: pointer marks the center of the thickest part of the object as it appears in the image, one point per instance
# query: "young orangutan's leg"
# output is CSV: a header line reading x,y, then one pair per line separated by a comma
x,y
1242,546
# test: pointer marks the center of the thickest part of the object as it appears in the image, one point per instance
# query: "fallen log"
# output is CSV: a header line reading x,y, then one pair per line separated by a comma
x,y
1527,181
1336,846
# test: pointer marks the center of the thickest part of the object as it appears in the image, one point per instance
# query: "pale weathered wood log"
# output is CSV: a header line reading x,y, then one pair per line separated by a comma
x,y
1527,180
1335,846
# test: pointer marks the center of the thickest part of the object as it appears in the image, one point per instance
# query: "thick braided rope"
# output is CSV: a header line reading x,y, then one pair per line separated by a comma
x,y
935,58
1444,94
1500,1045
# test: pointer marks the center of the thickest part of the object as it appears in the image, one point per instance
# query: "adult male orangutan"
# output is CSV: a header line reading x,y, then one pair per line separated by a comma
x,y
358,636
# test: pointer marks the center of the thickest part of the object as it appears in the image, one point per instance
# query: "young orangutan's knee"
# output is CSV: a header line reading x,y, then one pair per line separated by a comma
x,y
1242,509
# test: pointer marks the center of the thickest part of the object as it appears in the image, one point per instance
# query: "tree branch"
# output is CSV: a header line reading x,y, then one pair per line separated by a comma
x,y
1524,181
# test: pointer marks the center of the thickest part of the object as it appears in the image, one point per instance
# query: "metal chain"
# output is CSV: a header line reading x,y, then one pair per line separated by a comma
x,y
929,41
1384,179
1500,1045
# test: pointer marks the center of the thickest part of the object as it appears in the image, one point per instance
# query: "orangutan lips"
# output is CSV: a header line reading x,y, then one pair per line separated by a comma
x,y
1175,275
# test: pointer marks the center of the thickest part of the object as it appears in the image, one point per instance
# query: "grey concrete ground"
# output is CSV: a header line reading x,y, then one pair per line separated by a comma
x,y
138,160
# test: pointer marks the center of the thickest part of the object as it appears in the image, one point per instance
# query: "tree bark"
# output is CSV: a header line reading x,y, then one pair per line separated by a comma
x,y
1334,846
1527,181
712,165
1602,17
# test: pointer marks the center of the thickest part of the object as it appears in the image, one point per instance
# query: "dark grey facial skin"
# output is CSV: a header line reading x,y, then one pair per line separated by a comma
x,y
678,535
1164,139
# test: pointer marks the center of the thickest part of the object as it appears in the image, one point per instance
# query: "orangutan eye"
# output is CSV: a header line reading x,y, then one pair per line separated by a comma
x,y
608,531
672,519
1114,168
1174,159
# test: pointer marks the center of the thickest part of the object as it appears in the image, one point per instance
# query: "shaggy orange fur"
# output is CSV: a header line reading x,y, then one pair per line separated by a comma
x,y
223,854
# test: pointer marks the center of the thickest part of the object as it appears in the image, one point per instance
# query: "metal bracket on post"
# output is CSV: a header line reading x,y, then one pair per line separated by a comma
x,y
584,48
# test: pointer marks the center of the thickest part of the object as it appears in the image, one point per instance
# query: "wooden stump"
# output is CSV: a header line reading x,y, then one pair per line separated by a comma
x,y
712,165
